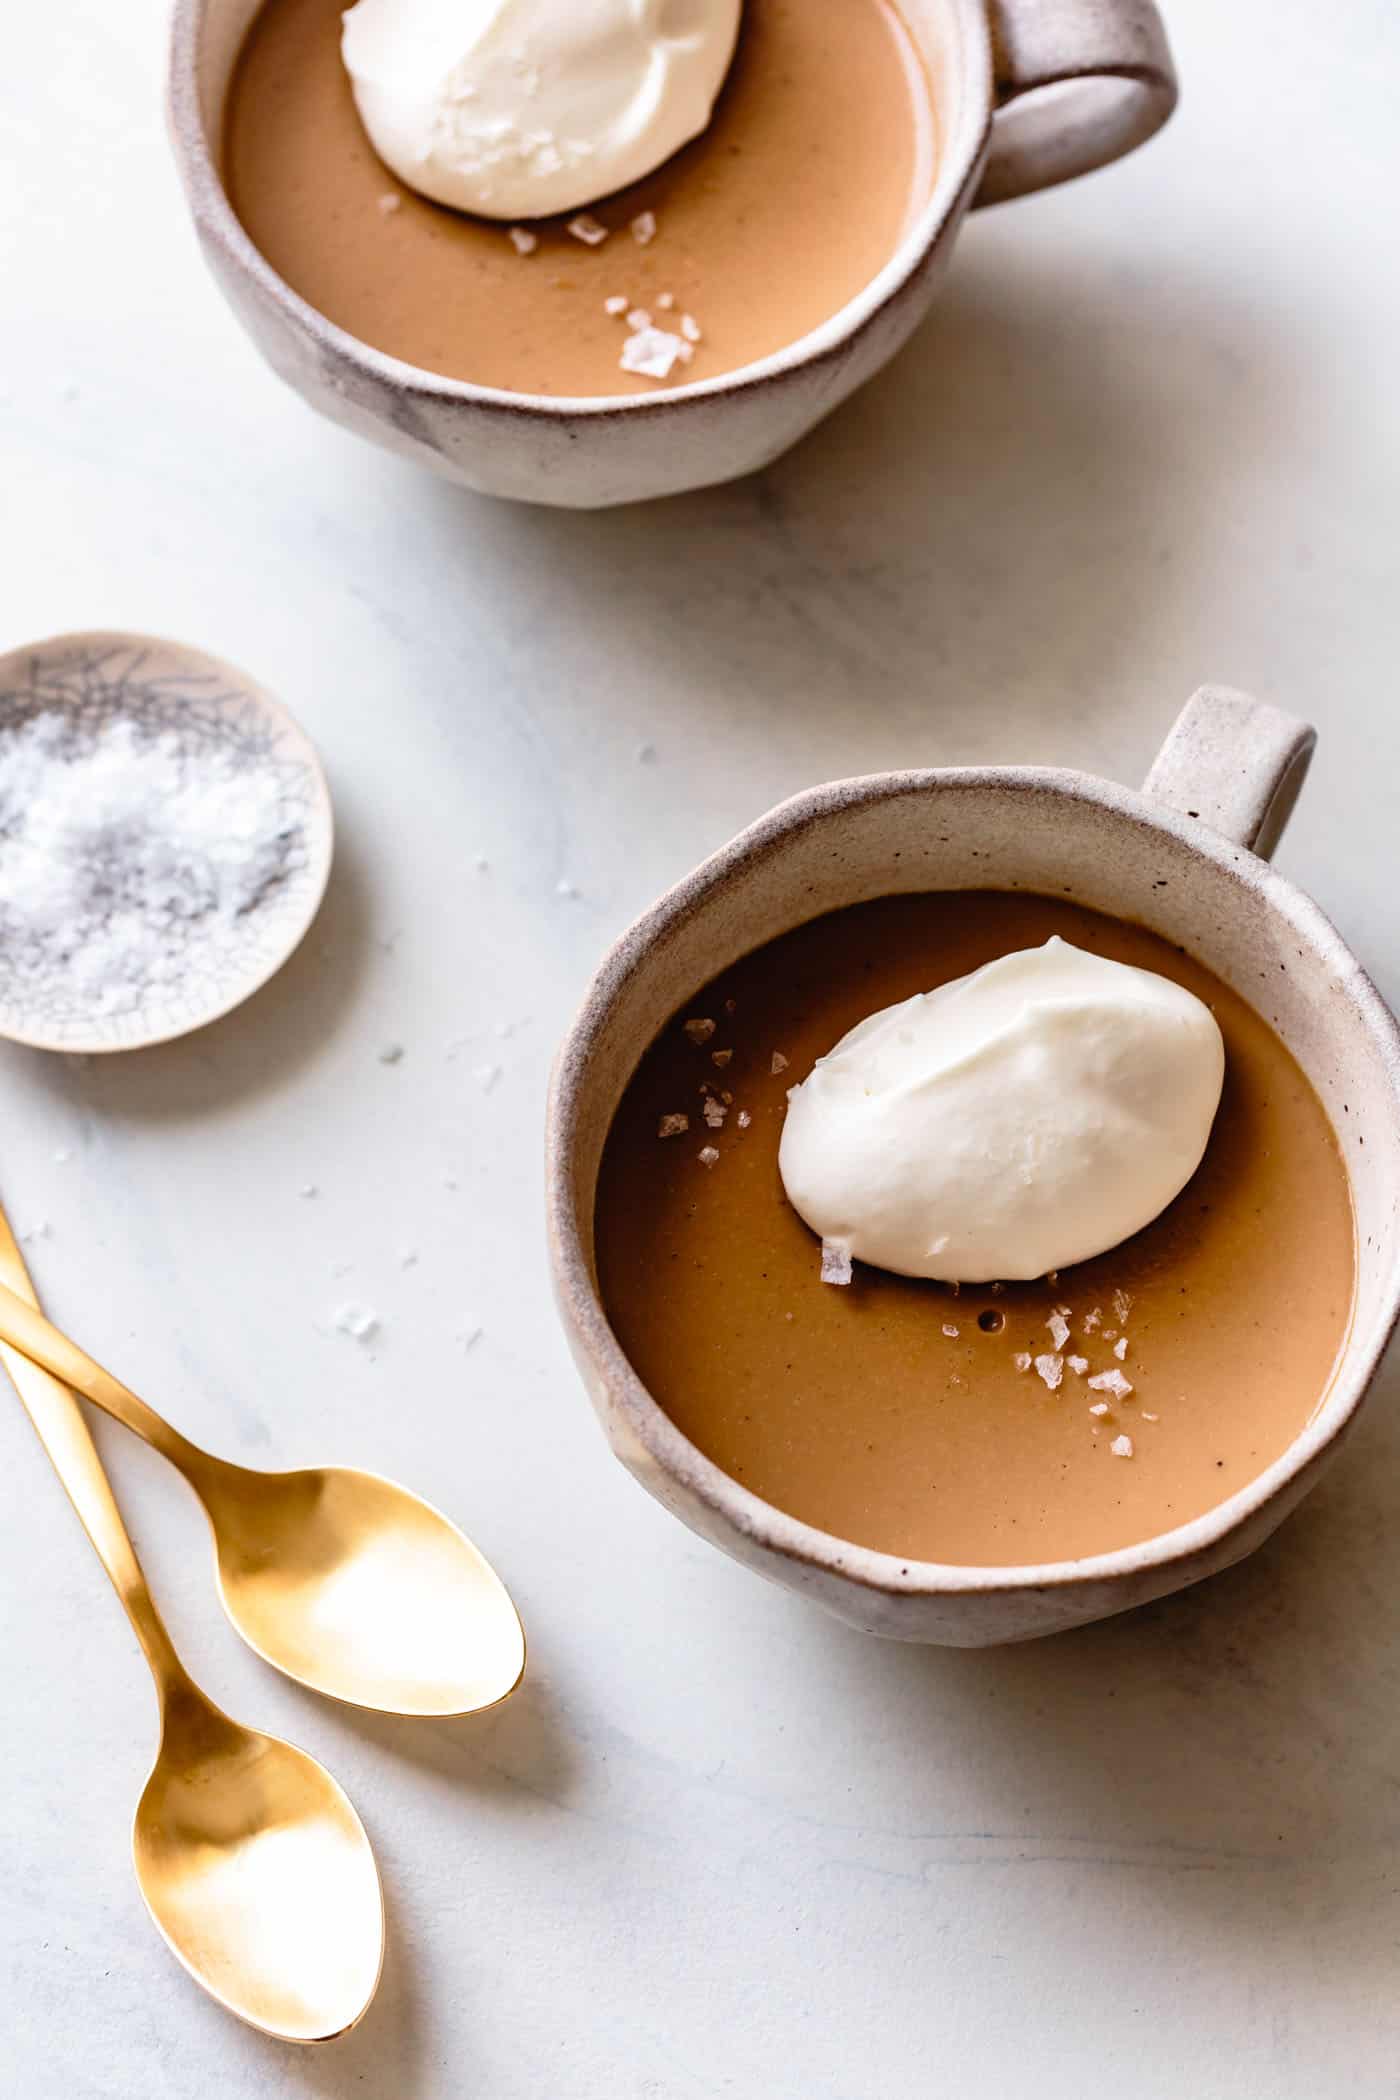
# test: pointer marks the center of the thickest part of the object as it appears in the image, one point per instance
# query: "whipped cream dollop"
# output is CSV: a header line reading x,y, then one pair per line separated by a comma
x,y
1016,1121
518,108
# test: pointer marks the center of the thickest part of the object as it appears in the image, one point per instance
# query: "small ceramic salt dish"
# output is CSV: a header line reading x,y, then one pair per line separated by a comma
x,y
1188,859
165,840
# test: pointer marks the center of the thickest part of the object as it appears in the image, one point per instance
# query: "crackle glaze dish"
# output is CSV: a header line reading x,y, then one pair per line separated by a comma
x,y
1186,858
1026,93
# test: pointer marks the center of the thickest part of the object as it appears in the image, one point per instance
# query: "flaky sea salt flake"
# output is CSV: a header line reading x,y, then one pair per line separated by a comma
x,y
1094,1320
673,1126
1122,1447
744,1119
1111,1382
952,1330
1120,1348
617,304
586,228
1122,1306
1059,1329
1022,1359
1051,1369
1078,1364
707,1156
715,1113
836,1261
652,352
691,329
1100,1407
523,241
644,228
358,1322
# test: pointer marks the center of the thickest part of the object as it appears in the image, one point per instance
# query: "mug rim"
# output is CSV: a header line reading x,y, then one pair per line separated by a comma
x,y
772,1530
959,166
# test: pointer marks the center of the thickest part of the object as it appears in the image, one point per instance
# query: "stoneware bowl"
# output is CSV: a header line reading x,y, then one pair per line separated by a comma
x,y
1186,858
1028,93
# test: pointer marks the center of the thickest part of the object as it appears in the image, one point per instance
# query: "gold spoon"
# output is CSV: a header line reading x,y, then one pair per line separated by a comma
x,y
253,1864
349,1584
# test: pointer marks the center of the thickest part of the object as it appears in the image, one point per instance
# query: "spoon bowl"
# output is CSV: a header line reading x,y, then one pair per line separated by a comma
x,y
358,1589
344,1581
258,1874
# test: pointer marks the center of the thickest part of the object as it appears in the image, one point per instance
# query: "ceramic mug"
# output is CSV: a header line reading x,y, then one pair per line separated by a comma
x,y
1027,93
1187,858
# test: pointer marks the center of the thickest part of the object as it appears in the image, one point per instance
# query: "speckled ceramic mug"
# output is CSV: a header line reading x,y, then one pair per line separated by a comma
x,y
1187,858
1027,93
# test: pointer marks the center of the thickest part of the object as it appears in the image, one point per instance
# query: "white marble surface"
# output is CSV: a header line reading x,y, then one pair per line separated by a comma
x,y
716,1846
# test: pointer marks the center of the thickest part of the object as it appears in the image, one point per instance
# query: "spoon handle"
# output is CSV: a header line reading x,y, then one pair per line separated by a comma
x,y
26,1329
64,1435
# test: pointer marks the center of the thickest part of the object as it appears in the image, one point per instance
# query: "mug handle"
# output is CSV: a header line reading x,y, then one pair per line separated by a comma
x,y
1078,83
1236,764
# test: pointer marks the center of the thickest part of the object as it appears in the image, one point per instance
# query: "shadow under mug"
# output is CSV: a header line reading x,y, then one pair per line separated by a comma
x,y
1026,92
1185,858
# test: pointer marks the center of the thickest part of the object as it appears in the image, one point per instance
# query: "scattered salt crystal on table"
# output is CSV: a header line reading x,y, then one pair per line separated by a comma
x,y
1111,1382
1100,1407
358,1322
133,857
1051,1369
777,1063
1022,1359
699,1030
1120,1348
707,1156
673,1126
587,229
1122,1306
1059,1329
715,1113
638,319
836,1261
744,1119
644,228
1078,1364
951,1330
523,241
1122,1447
617,304
690,329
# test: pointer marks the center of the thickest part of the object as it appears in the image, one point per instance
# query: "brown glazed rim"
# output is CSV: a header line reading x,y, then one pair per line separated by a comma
x,y
958,170
770,1528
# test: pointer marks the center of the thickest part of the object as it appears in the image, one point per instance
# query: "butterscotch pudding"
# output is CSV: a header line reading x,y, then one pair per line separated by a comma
x,y
796,193
995,1419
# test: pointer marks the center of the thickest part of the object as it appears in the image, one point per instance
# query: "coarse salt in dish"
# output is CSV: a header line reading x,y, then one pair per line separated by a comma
x,y
165,839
